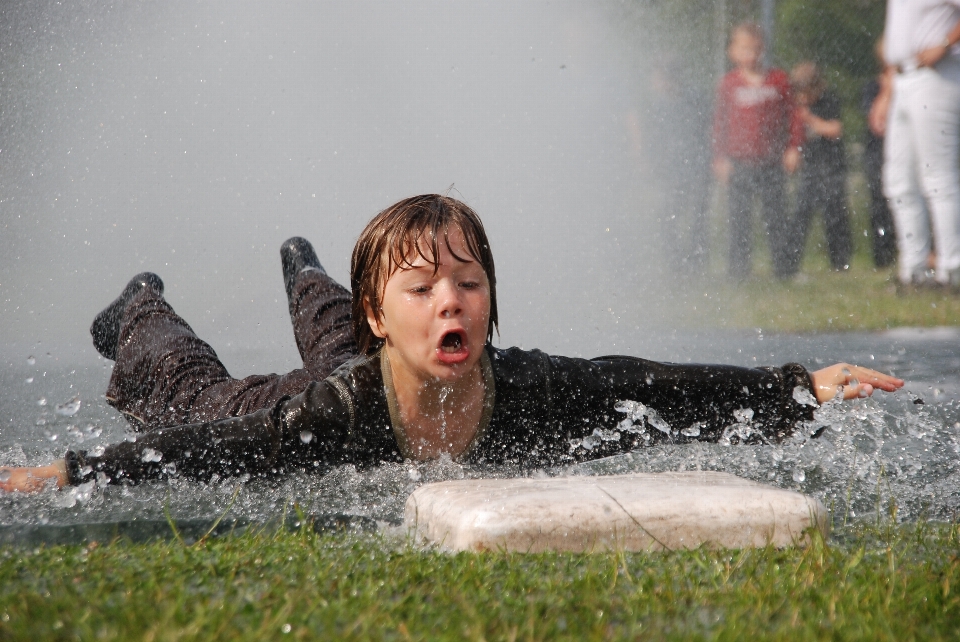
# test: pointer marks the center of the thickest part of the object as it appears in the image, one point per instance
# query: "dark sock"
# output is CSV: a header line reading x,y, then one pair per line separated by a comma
x,y
296,254
106,325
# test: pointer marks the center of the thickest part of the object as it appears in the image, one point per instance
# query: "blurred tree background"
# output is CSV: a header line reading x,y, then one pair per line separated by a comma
x,y
838,36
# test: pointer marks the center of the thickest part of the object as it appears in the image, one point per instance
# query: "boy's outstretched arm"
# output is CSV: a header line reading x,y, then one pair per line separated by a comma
x,y
852,381
33,479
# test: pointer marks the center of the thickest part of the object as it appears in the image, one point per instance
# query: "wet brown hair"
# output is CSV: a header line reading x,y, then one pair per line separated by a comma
x,y
389,241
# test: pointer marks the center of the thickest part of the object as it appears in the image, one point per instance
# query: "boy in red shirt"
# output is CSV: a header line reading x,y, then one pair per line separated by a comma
x,y
755,138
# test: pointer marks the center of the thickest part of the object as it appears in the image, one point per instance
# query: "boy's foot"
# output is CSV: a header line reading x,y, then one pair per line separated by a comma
x,y
106,325
296,256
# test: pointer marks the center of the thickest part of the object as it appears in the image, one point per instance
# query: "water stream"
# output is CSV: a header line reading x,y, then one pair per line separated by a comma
x,y
191,139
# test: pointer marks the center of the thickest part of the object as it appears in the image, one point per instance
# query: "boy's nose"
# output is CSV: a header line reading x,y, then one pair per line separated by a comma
x,y
449,302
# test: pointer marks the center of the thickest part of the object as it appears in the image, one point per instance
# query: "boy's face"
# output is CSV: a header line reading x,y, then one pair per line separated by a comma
x,y
435,325
745,51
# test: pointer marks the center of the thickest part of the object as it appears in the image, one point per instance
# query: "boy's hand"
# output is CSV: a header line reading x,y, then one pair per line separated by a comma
x,y
721,169
791,160
33,479
852,381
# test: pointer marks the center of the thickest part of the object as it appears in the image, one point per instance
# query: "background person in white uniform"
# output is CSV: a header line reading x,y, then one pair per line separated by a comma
x,y
922,121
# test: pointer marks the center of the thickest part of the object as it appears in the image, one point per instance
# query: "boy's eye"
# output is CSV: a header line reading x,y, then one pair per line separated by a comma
x,y
470,285
420,289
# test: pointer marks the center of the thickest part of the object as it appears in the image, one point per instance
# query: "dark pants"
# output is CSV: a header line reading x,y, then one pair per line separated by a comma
x,y
165,375
882,232
823,188
764,182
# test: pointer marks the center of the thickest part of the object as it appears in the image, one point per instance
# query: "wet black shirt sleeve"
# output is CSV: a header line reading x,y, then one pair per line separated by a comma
x,y
552,410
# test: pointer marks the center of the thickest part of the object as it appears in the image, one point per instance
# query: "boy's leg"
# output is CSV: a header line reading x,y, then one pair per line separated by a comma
x,y
883,236
837,221
776,219
321,314
320,309
806,204
165,375
739,204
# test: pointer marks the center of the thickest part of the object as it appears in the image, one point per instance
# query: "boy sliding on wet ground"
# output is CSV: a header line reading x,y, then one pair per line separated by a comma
x,y
427,381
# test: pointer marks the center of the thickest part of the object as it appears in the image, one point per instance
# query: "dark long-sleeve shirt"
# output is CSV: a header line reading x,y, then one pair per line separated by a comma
x,y
540,410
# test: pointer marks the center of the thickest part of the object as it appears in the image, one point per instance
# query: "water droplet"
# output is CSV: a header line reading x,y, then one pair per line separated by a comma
x,y
286,628
69,408
414,474
804,397
29,379
306,436
691,431
42,401
31,360
799,475
4,475
151,455
52,436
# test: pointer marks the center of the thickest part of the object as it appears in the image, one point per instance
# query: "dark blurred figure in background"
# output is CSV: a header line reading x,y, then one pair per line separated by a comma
x,y
681,117
755,138
919,112
882,233
823,170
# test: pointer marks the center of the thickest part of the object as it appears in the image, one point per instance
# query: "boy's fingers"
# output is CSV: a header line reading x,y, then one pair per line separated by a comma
x,y
857,391
883,381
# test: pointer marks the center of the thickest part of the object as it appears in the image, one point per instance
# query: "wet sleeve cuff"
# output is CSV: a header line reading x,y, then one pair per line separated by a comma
x,y
799,407
75,465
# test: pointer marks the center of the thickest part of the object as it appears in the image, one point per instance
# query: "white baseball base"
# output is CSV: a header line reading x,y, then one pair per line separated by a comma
x,y
638,512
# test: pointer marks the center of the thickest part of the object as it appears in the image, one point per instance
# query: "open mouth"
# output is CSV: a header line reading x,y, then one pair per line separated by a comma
x,y
452,342
453,348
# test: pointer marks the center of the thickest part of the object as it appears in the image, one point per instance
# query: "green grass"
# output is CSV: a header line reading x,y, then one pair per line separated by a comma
x,y
880,583
864,298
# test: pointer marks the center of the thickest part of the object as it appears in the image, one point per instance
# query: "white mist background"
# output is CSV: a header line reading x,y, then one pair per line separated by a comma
x,y
191,138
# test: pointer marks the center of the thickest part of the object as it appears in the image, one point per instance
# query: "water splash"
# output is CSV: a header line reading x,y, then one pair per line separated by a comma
x,y
68,409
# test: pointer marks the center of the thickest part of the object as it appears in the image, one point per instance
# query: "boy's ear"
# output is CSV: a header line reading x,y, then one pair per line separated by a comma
x,y
372,320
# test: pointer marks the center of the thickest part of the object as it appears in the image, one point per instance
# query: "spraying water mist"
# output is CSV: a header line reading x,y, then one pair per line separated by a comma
x,y
192,139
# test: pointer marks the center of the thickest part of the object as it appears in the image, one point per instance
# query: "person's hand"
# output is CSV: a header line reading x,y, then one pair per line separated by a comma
x,y
791,160
33,479
877,118
721,169
852,381
933,55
